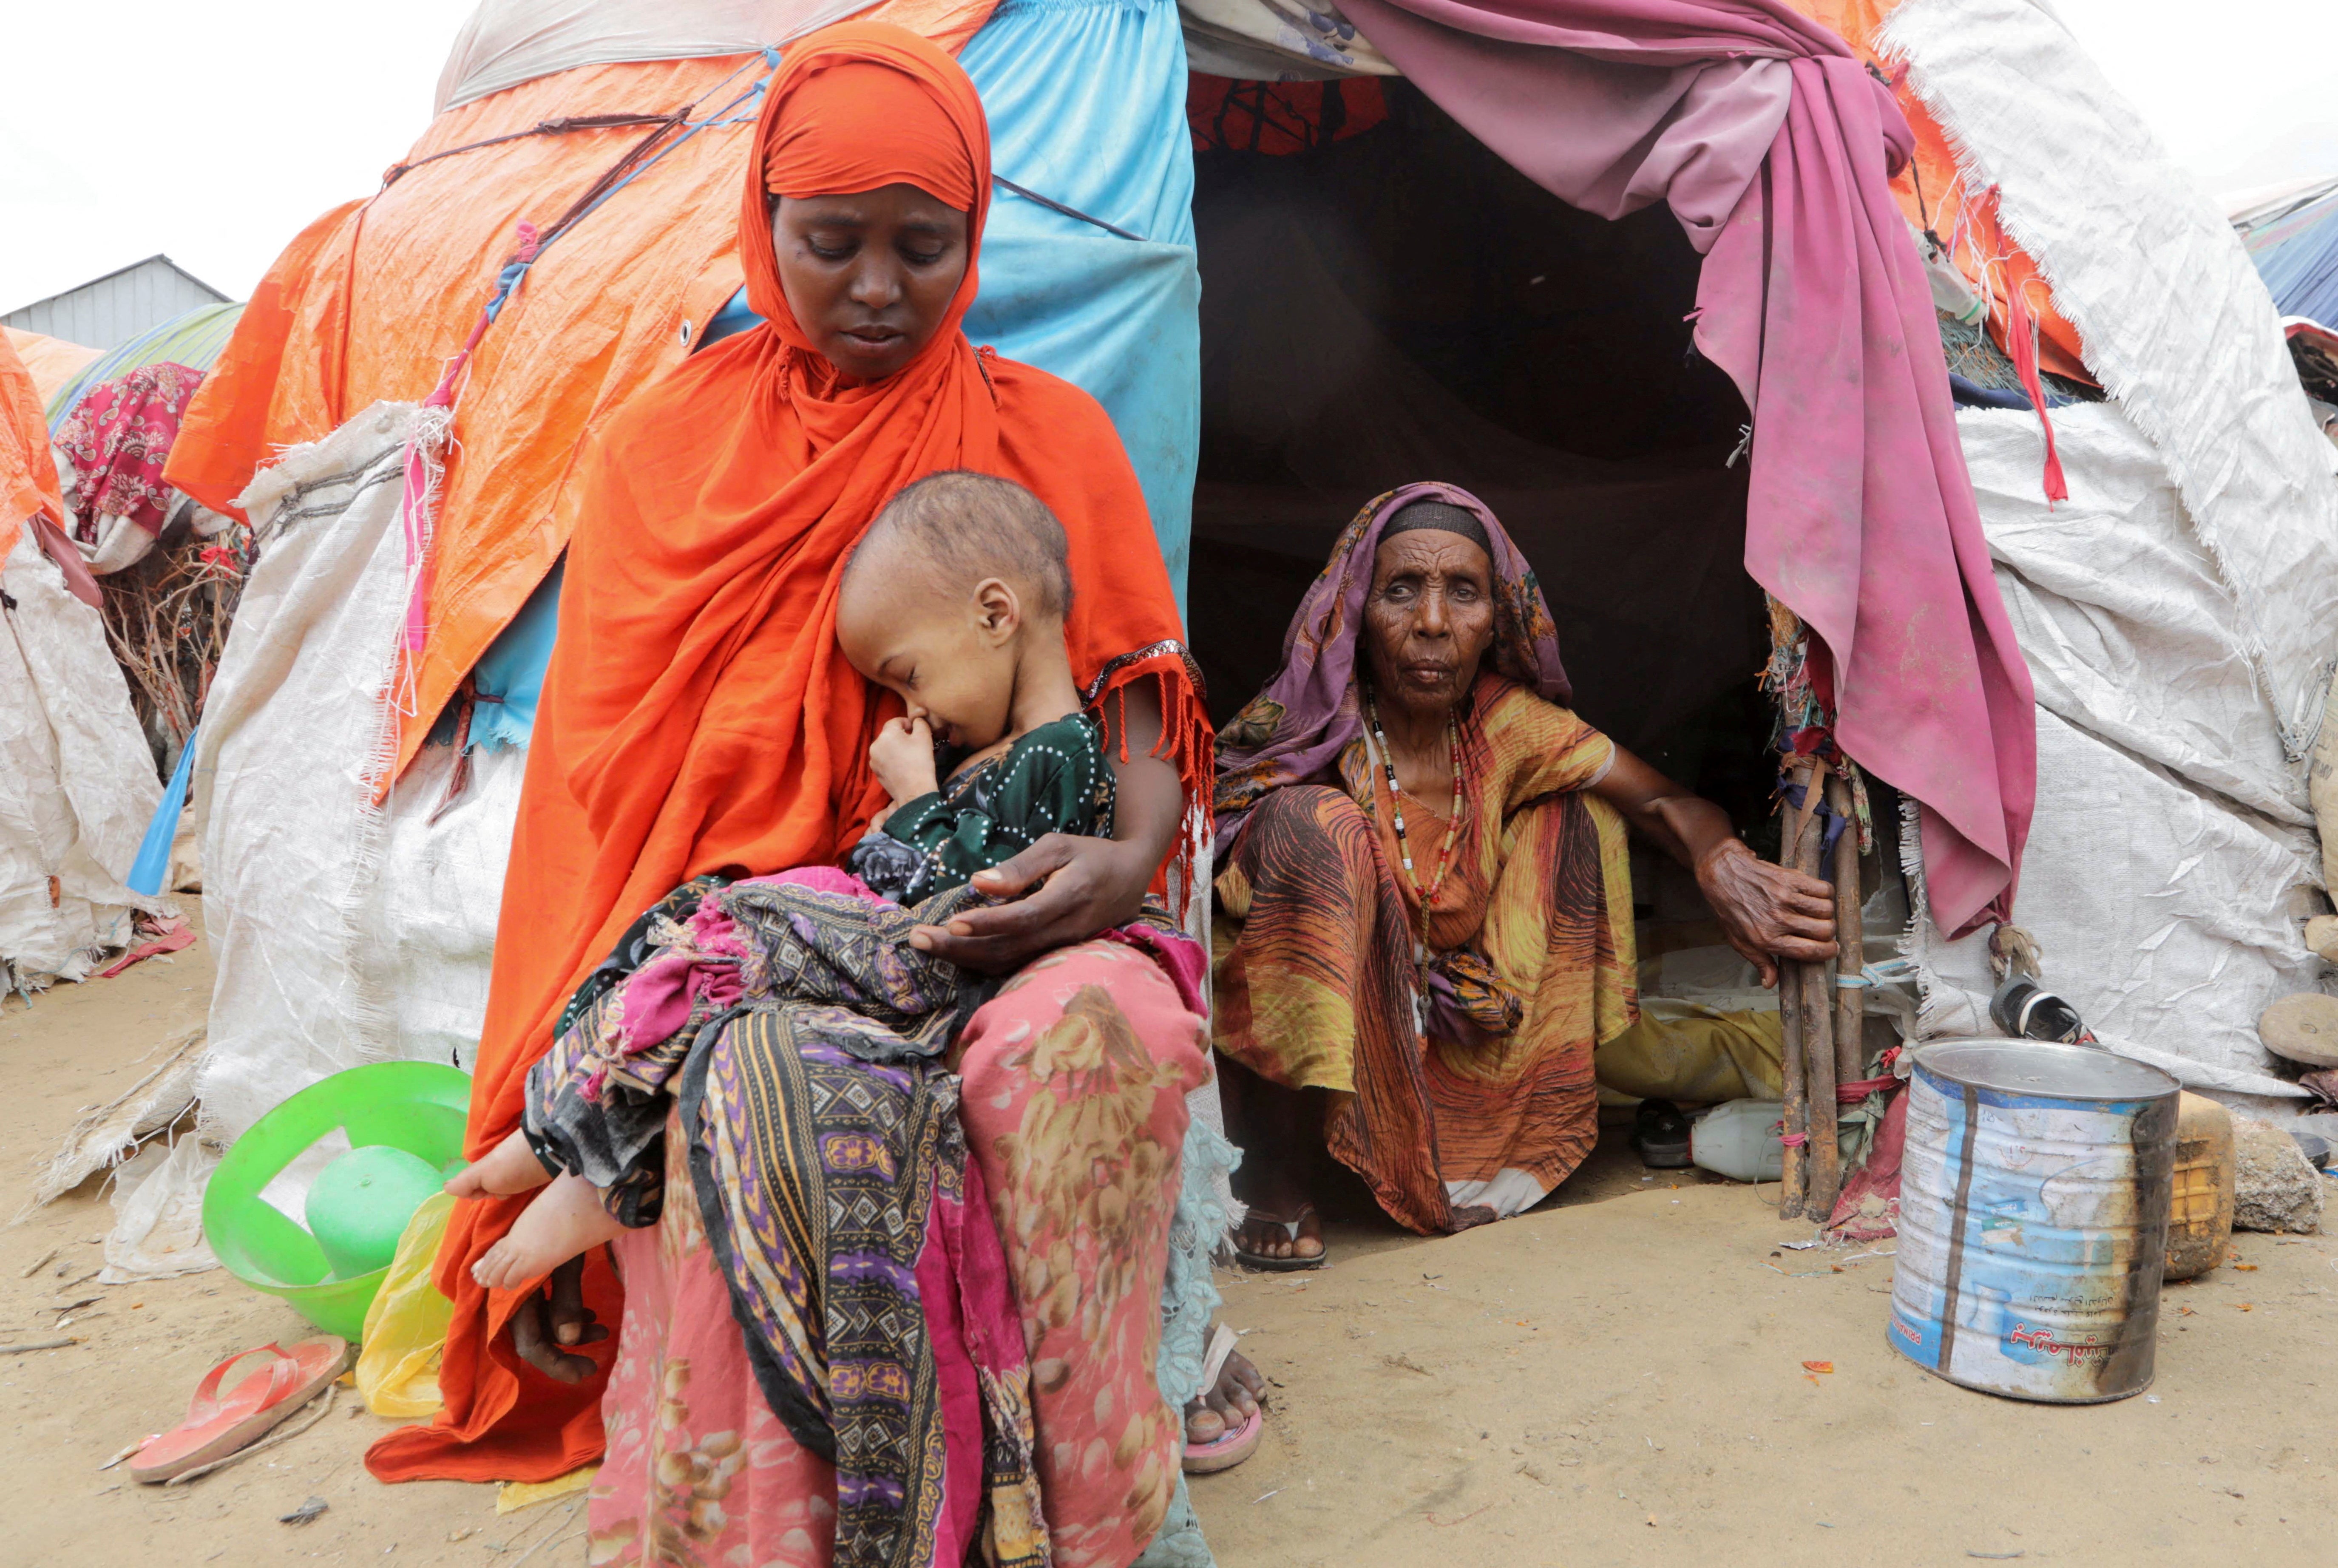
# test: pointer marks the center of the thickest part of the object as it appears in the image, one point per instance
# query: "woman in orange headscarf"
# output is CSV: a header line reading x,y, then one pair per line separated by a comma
x,y
698,718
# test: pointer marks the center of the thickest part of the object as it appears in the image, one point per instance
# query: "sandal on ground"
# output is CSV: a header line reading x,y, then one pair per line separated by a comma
x,y
263,1386
1660,1132
1291,1229
1236,1444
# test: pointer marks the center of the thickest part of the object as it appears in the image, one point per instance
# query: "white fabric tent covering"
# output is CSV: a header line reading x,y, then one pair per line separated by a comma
x,y
344,932
508,41
77,785
2179,613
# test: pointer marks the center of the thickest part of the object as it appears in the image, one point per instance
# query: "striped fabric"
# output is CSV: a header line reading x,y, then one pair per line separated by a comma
x,y
193,339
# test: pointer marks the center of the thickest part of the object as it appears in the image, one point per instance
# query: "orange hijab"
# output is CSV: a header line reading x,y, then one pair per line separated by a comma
x,y
697,713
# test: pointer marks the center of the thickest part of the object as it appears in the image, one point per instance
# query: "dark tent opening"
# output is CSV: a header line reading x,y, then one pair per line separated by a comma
x,y
1385,300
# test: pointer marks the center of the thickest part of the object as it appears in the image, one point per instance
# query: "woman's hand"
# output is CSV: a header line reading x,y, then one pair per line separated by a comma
x,y
1083,886
1767,911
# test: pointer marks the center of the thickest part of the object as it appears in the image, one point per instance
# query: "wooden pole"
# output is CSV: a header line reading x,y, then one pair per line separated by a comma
x,y
1794,1192
1851,947
1825,1177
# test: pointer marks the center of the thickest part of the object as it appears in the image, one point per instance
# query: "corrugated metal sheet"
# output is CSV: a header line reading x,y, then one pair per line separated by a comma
x,y
107,312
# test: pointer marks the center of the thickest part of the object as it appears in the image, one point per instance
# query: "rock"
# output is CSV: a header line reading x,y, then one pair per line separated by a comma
x,y
2274,1187
2322,937
2303,1027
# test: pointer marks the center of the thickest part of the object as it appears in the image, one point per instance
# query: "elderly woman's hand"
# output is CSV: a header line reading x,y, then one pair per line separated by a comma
x,y
1768,911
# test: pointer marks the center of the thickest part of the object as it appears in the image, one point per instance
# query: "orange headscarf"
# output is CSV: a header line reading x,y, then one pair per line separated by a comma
x,y
697,714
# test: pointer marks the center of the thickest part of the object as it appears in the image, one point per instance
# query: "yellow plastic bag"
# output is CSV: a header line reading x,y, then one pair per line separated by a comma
x,y
406,1326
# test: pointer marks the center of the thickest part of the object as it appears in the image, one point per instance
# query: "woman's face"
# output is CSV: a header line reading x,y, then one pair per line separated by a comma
x,y
1428,620
871,276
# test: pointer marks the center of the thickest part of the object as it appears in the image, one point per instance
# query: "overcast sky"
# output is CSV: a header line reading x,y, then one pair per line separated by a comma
x,y
213,131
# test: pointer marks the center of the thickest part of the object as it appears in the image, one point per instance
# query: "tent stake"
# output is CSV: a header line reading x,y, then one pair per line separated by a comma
x,y
1823,1177
1850,945
1792,1189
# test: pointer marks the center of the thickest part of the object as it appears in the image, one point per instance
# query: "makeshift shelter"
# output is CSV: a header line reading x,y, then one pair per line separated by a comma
x,y
1397,291
51,361
77,787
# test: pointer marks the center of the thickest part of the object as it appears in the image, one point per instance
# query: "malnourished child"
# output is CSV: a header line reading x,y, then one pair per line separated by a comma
x,y
955,600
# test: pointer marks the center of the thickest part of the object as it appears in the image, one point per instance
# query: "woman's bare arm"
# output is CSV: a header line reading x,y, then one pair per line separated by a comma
x,y
1768,911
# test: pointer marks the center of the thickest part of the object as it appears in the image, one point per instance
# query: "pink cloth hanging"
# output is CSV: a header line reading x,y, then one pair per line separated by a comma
x,y
1775,148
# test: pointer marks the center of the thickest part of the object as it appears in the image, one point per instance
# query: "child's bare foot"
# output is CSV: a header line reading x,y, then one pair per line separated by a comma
x,y
565,1219
511,1166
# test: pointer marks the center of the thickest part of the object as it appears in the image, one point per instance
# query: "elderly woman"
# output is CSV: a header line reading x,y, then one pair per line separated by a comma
x,y
699,724
1424,920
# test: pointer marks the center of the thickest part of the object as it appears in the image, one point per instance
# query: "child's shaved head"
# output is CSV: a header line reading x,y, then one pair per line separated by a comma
x,y
962,527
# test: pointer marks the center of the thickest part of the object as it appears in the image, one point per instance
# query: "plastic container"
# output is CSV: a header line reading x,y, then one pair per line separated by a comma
x,y
360,1204
2200,1210
2033,1219
1739,1140
417,1106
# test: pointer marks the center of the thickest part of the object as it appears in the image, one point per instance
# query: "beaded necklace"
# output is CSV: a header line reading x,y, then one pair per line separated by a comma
x,y
1445,857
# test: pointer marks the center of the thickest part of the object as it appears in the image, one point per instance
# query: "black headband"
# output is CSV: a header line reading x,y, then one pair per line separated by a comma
x,y
1443,516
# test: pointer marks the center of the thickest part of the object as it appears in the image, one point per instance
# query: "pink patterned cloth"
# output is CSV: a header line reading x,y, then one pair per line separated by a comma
x,y
1774,147
117,437
1074,1079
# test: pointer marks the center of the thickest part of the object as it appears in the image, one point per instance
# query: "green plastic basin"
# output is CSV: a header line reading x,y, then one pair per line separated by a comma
x,y
419,1107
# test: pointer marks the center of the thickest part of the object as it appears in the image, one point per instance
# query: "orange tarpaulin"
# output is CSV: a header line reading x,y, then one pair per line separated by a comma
x,y
52,360
1935,196
372,300
28,474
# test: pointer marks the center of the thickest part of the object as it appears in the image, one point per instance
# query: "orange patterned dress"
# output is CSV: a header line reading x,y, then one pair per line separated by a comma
x,y
1477,1112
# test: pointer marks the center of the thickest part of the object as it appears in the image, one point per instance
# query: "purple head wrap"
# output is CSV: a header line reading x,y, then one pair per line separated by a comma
x,y
1294,730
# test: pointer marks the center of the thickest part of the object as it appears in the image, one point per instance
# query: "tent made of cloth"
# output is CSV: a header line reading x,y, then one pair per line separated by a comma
x,y
53,361
1265,41
374,298
76,783
193,339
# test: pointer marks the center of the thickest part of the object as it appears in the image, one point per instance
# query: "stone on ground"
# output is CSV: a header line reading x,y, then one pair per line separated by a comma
x,y
2274,1187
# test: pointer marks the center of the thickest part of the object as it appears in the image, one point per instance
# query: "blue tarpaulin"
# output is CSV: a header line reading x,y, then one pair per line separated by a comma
x,y
1086,103
2295,249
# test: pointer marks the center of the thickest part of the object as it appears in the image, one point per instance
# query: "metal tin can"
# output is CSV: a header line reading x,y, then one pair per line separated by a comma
x,y
2033,1219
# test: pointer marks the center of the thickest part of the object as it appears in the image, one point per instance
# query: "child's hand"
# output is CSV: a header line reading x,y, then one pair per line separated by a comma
x,y
902,756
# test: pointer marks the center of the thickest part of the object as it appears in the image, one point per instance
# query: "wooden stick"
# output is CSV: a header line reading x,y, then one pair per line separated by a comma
x,y
1825,1178
1851,947
1795,1178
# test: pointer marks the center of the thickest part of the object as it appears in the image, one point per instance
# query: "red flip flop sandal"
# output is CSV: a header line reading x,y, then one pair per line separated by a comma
x,y
1237,1443
267,1384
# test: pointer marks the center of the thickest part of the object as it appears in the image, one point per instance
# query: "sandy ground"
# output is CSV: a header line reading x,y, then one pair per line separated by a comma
x,y
1615,1378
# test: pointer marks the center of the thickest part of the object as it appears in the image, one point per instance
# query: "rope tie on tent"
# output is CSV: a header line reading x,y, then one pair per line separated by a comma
x,y
433,431
1052,205
2021,344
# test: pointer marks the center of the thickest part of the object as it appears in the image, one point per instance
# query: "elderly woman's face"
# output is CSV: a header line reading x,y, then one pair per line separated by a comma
x,y
1429,618
870,276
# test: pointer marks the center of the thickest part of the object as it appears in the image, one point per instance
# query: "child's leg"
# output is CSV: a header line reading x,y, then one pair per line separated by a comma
x,y
511,1166
565,1219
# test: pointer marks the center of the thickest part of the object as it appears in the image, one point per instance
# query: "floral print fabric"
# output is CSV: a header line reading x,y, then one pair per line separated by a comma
x,y
1072,1086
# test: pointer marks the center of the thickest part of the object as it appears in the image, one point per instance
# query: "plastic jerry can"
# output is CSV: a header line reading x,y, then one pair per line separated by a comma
x,y
2200,1217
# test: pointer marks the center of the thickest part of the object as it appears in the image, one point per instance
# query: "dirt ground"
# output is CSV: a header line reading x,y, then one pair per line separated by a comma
x,y
1617,1377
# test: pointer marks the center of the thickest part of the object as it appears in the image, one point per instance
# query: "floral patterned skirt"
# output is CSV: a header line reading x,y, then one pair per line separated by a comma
x,y
1073,1100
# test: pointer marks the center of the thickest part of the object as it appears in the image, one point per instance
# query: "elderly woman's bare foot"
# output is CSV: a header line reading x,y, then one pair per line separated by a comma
x,y
565,1219
1273,1236
511,1166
